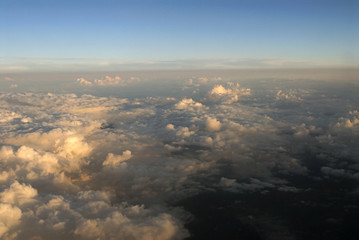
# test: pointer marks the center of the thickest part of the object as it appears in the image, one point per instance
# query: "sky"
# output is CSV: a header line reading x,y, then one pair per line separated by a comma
x,y
58,35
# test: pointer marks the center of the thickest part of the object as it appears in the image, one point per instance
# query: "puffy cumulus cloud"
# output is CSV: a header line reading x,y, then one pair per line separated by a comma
x,y
28,159
113,160
86,215
119,226
8,116
212,124
170,127
43,169
302,130
343,136
351,122
83,81
181,132
290,96
9,217
18,194
228,95
184,132
73,149
56,148
189,104
26,120
56,140
108,81
220,90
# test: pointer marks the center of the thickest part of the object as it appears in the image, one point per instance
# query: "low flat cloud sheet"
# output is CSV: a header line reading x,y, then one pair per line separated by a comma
x,y
87,166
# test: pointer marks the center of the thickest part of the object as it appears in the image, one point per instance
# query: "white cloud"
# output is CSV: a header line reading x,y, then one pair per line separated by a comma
x,y
228,95
113,160
108,81
189,104
18,194
212,124
8,116
351,122
220,90
9,217
56,149
290,96
84,82
184,132
170,127
74,149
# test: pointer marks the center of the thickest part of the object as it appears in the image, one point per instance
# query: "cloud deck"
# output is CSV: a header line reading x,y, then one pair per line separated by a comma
x,y
88,166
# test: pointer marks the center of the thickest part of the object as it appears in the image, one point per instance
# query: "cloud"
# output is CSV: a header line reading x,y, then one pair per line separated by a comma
x,y
84,82
8,79
82,166
87,215
288,96
9,217
8,116
255,185
184,132
67,149
108,81
114,64
63,155
170,127
189,104
228,95
352,122
328,171
233,186
212,124
113,160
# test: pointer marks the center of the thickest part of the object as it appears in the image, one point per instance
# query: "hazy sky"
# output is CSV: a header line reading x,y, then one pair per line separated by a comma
x,y
42,33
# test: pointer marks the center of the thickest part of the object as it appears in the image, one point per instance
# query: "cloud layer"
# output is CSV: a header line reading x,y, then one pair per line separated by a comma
x,y
102,167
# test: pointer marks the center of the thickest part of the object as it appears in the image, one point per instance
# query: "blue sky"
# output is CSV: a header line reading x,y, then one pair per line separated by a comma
x,y
42,32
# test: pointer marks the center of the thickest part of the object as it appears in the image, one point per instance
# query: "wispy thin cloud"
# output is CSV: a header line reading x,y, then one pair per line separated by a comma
x,y
18,64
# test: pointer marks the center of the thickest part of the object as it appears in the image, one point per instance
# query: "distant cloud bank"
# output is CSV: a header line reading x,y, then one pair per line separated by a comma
x,y
23,64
